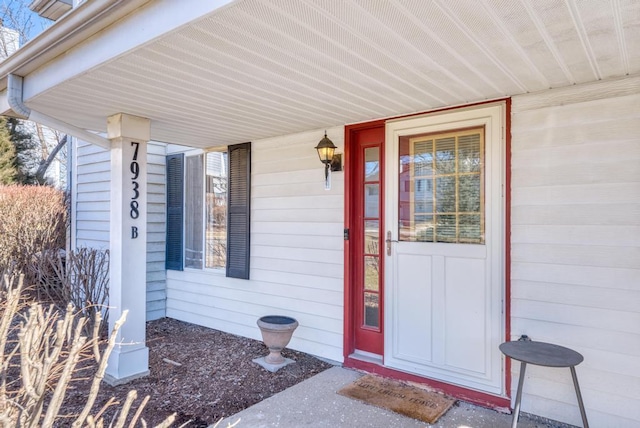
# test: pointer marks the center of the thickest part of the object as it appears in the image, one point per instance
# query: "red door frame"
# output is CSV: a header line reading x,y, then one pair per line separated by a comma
x,y
466,394
355,176
350,300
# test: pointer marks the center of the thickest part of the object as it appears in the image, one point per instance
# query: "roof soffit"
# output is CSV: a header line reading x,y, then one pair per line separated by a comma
x,y
257,69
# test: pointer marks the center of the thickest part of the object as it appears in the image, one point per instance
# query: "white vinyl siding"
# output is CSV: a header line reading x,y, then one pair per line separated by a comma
x,y
91,213
575,255
296,253
156,230
91,217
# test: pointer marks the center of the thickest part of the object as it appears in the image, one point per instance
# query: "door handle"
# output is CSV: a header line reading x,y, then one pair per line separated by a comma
x,y
389,241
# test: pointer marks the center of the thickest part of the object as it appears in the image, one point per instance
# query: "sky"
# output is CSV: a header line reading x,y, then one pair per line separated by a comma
x,y
17,16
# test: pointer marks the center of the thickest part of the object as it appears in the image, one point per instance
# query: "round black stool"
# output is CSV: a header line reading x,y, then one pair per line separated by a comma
x,y
543,354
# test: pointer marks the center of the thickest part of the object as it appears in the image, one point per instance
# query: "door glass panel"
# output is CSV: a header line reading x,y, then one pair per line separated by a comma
x,y
371,236
371,200
469,157
446,194
371,227
371,273
441,196
423,195
371,310
424,228
446,156
469,193
446,228
470,227
372,164
423,158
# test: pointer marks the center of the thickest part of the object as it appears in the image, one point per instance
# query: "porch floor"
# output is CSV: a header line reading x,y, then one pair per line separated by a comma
x,y
314,403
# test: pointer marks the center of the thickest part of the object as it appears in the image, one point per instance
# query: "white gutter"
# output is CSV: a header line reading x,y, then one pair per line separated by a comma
x,y
14,98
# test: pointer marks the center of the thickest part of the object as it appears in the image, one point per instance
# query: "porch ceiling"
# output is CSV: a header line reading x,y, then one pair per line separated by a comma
x,y
260,68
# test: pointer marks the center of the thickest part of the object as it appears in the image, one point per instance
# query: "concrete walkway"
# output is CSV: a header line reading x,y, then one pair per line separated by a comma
x,y
314,403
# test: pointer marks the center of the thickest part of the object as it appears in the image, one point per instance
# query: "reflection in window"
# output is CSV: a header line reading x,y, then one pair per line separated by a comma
x,y
216,210
371,164
372,200
371,310
193,212
371,250
441,187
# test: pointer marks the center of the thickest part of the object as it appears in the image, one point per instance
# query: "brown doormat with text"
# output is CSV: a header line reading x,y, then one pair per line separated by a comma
x,y
401,398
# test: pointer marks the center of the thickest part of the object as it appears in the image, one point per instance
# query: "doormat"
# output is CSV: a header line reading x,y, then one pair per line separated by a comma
x,y
407,400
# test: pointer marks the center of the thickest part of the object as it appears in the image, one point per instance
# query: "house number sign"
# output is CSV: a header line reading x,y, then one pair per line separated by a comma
x,y
134,167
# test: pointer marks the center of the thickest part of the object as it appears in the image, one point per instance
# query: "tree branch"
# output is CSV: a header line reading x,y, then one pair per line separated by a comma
x,y
46,163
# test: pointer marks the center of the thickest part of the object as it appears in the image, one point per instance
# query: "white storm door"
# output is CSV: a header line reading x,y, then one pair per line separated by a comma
x,y
444,280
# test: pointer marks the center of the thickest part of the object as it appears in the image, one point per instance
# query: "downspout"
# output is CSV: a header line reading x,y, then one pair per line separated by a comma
x,y
14,98
70,244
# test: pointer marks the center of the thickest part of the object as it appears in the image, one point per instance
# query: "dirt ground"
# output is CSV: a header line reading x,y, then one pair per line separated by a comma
x,y
201,374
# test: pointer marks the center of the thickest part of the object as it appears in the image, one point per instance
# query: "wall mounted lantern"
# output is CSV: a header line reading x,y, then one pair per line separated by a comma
x,y
326,152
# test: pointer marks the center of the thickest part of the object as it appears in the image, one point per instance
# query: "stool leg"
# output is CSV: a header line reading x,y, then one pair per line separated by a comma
x,y
516,409
583,413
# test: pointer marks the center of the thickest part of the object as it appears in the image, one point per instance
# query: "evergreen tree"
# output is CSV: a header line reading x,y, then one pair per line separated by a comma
x,y
8,169
26,157
36,147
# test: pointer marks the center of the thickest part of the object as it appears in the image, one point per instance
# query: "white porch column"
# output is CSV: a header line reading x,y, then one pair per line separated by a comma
x,y
128,245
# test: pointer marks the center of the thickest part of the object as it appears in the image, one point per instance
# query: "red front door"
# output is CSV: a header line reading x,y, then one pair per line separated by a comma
x,y
367,241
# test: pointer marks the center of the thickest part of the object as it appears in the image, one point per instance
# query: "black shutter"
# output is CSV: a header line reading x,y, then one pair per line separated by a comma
x,y
175,200
238,211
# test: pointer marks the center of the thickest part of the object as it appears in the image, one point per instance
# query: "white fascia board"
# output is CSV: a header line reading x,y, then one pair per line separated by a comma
x,y
137,29
73,28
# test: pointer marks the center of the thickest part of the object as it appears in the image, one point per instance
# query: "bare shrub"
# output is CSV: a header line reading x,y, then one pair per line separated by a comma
x,y
32,220
39,352
79,277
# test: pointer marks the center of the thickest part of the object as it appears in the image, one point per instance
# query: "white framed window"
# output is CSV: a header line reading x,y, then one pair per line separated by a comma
x,y
208,210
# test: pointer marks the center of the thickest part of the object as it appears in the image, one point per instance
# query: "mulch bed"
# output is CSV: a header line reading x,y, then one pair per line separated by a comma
x,y
214,376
